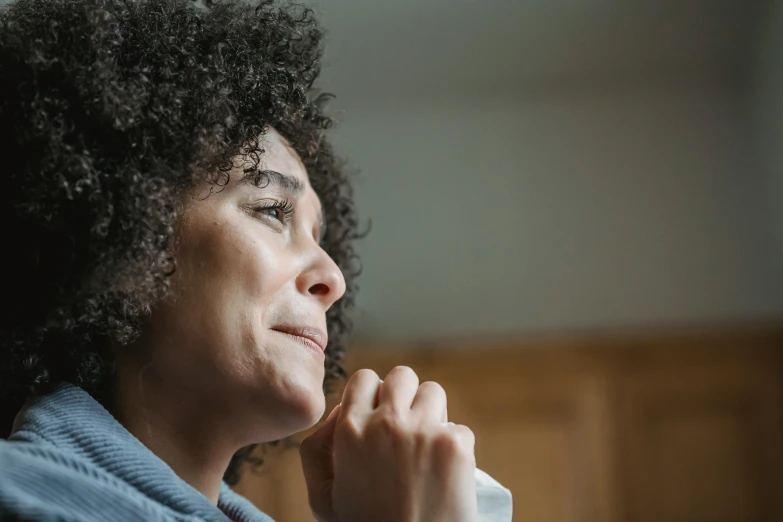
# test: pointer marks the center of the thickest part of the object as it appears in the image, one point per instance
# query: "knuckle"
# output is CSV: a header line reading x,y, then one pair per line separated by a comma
x,y
421,438
466,434
402,371
392,425
391,409
364,373
348,429
446,444
433,387
454,443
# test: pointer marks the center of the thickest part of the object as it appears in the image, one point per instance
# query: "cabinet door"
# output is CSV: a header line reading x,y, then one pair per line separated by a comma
x,y
540,431
701,442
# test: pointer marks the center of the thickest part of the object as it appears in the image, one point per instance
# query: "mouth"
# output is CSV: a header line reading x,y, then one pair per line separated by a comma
x,y
306,334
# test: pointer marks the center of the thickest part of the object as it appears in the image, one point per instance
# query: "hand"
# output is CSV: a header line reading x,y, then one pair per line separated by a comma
x,y
385,454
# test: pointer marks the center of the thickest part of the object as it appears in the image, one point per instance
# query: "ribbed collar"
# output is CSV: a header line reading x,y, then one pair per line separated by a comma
x,y
71,420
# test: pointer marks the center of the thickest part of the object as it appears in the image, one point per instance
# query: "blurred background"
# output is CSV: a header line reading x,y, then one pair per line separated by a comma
x,y
577,229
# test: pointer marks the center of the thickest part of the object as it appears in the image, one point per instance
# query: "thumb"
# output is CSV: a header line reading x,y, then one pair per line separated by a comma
x,y
318,466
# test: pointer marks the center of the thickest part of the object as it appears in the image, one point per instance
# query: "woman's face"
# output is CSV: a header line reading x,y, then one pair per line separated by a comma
x,y
244,329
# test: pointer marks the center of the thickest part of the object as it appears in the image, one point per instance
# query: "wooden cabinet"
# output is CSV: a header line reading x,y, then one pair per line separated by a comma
x,y
701,439
681,427
541,443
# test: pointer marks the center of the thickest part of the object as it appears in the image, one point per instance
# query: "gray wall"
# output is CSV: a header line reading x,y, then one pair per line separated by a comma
x,y
595,210
582,206
768,107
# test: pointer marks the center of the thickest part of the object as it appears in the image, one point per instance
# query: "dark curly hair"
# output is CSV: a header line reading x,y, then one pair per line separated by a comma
x,y
109,109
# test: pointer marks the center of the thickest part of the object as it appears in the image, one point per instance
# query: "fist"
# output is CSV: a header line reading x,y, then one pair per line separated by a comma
x,y
387,454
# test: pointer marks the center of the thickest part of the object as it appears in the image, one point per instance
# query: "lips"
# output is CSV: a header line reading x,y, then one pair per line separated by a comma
x,y
315,335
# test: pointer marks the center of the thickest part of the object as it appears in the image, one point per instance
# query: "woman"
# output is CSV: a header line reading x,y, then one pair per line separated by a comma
x,y
178,232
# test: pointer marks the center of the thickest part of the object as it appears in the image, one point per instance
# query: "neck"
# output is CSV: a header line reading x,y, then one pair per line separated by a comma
x,y
175,425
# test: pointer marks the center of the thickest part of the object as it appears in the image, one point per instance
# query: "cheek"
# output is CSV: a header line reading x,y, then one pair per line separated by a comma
x,y
231,278
222,259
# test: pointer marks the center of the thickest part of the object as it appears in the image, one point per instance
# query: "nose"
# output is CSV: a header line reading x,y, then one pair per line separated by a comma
x,y
322,278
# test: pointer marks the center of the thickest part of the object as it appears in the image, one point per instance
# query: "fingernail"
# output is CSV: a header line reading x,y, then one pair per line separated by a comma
x,y
333,411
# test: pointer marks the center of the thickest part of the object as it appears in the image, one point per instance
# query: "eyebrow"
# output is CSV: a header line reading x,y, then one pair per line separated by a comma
x,y
271,178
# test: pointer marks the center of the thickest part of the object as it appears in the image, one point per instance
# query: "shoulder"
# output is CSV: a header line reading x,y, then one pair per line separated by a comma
x,y
41,483
238,507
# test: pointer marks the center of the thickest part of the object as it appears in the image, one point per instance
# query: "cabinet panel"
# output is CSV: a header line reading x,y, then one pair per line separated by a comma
x,y
700,444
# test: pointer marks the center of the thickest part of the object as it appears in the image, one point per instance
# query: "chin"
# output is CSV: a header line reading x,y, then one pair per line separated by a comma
x,y
296,409
304,407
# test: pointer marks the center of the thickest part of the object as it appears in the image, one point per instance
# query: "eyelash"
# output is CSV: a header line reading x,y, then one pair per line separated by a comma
x,y
285,206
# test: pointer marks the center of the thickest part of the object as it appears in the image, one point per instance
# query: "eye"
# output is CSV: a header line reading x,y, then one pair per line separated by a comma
x,y
276,213
277,210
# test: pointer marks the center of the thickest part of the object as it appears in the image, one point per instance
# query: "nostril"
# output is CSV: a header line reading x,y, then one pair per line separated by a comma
x,y
319,289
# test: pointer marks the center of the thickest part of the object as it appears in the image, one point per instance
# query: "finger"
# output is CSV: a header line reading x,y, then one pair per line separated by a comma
x,y
332,417
398,389
466,438
465,434
430,403
322,440
360,392
318,465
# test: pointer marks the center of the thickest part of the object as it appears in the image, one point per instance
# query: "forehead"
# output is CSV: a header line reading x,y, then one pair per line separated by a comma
x,y
280,156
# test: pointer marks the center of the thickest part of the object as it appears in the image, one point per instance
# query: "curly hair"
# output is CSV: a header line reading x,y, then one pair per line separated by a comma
x,y
109,110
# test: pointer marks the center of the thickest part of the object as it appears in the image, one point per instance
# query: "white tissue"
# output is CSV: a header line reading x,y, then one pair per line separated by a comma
x,y
494,501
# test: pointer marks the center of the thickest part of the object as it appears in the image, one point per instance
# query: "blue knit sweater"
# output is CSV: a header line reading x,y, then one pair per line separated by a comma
x,y
70,460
